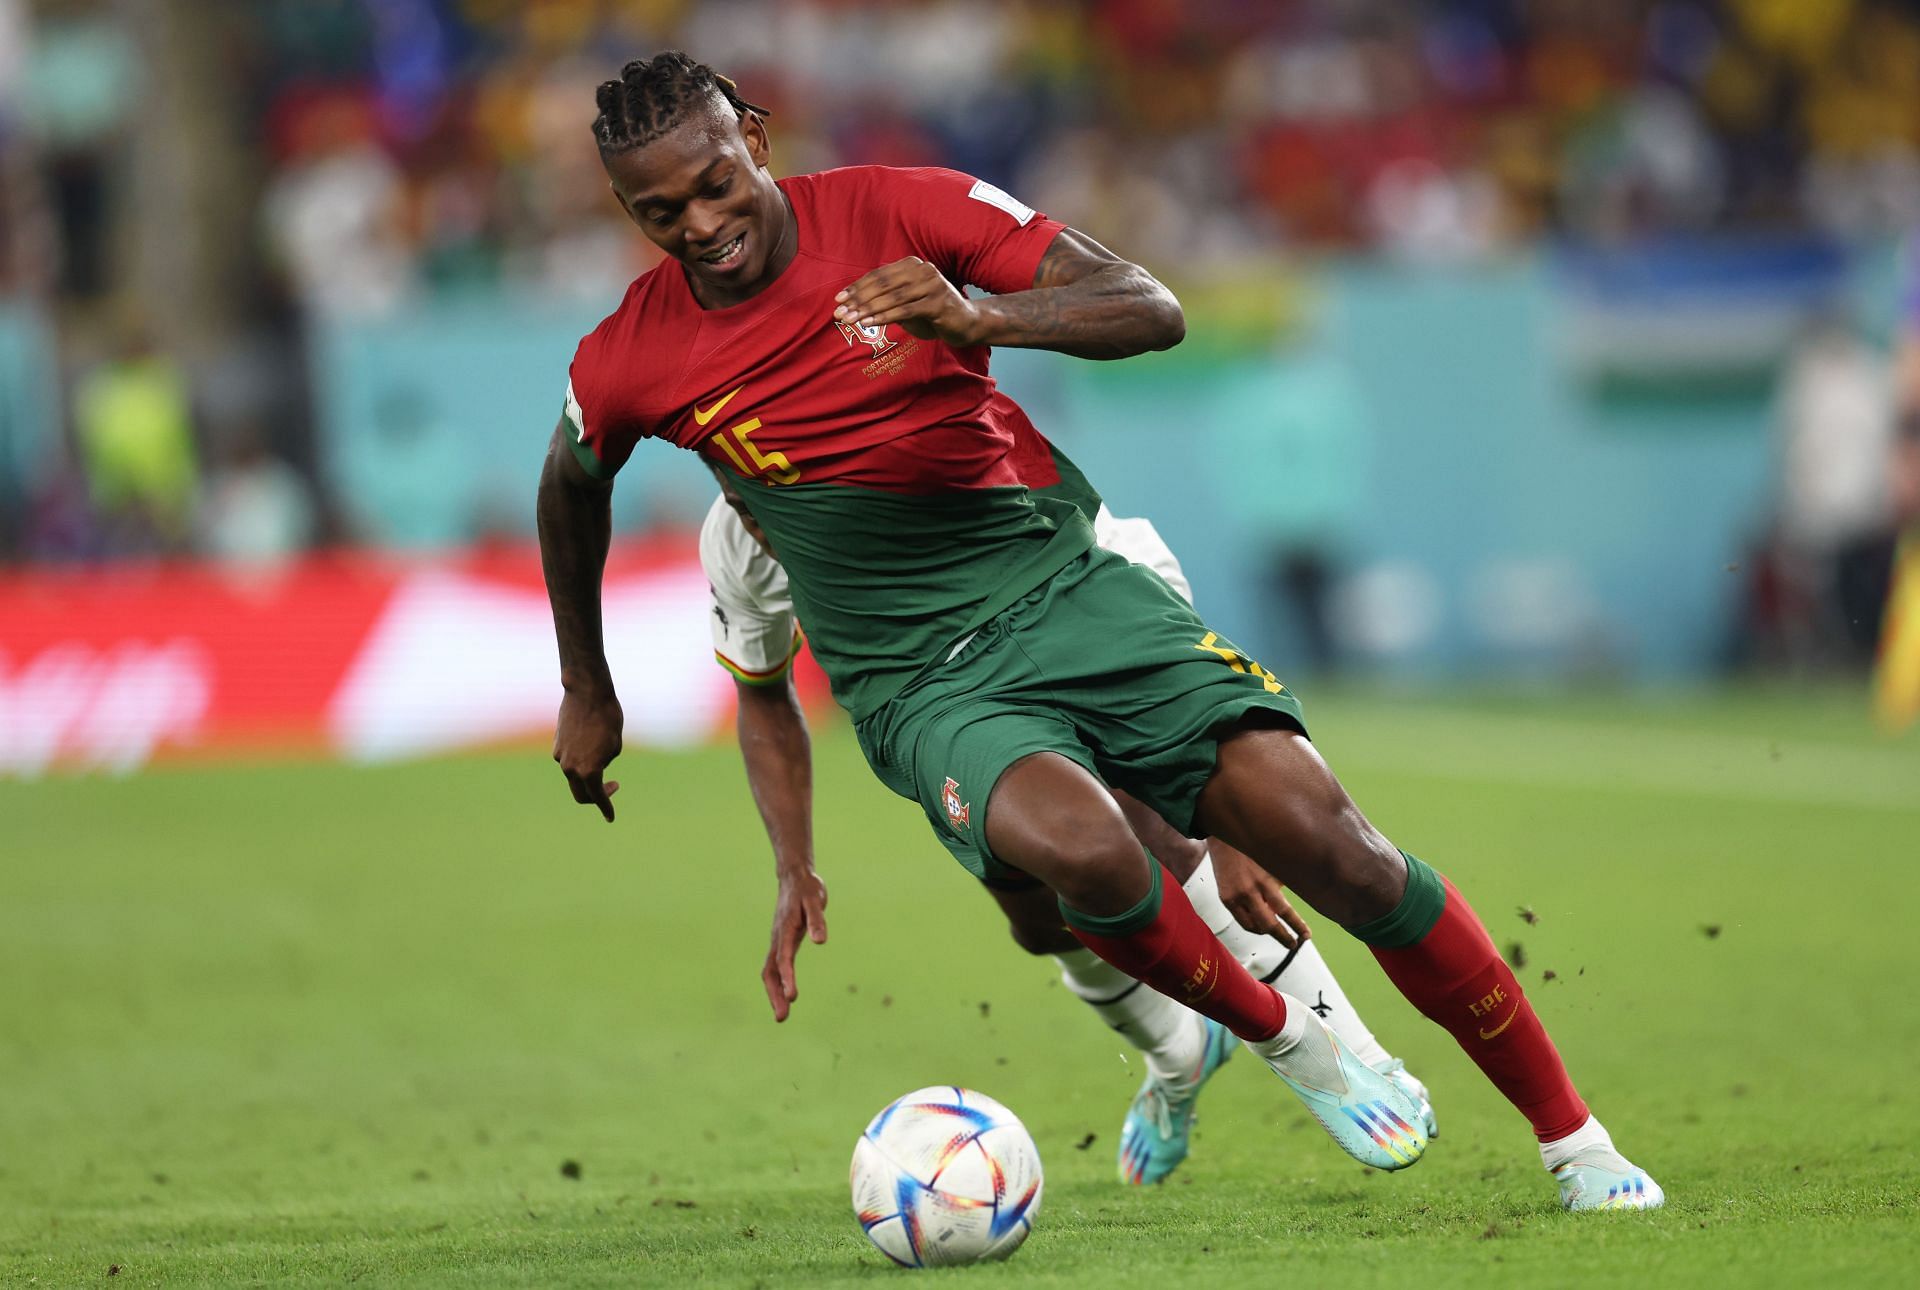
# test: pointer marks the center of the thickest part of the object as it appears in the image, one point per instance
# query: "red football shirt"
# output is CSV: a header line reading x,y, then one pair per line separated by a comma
x,y
881,410
890,473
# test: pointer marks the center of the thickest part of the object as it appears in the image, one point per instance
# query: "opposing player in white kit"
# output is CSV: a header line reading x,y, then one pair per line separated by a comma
x,y
756,637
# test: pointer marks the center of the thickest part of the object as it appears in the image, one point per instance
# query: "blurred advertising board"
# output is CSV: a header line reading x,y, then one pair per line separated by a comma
x,y
357,655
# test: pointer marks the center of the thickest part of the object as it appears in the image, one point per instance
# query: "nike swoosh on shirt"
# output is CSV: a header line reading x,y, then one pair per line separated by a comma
x,y
1489,1034
702,416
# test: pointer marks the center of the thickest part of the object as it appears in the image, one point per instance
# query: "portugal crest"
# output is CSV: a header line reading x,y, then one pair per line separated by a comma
x,y
957,810
876,337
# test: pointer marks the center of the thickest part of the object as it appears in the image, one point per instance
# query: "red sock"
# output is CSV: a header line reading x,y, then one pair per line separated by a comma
x,y
1165,944
1456,978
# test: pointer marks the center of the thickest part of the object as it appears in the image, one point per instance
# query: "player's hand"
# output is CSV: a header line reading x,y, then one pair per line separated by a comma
x,y
914,294
1255,898
585,739
800,910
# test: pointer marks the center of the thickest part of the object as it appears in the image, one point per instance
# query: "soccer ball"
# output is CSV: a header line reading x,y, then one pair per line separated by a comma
x,y
945,1175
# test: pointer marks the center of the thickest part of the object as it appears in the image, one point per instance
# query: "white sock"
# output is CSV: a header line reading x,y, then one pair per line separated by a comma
x,y
1314,1064
1292,1031
1309,978
1306,978
1167,1034
1587,1136
1256,953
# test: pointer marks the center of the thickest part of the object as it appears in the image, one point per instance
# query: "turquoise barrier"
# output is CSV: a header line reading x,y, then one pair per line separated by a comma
x,y
1483,514
434,422
29,408
1488,507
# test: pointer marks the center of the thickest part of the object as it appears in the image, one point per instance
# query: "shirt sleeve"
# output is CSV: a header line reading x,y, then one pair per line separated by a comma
x,y
755,634
972,231
1140,542
601,437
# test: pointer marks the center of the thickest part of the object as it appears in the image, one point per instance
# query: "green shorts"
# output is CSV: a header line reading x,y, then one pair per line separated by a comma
x,y
1104,664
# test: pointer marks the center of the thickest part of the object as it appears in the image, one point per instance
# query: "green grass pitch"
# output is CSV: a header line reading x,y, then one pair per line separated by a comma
x,y
325,1024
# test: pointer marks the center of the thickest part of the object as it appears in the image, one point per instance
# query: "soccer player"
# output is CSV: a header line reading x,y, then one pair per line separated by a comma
x,y
812,337
756,638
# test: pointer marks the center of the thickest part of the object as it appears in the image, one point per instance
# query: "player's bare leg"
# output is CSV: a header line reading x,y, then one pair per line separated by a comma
x,y
1049,817
1272,796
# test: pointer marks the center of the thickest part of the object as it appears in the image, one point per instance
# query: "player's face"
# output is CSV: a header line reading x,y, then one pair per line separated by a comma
x,y
702,194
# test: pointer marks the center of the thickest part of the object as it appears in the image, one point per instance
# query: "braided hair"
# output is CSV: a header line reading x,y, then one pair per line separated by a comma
x,y
653,95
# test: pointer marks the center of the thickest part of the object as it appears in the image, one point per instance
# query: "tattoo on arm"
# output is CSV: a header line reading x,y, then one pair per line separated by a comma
x,y
1070,257
1088,302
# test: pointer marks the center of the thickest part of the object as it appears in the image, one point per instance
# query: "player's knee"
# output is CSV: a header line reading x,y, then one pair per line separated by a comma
x,y
1181,855
1335,858
1054,821
1098,870
1371,873
1085,859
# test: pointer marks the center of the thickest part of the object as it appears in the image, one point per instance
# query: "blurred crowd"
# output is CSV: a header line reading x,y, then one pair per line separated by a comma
x,y
377,151
428,144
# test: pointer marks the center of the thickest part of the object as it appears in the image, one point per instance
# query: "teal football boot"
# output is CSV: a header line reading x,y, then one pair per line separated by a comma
x,y
1153,1141
1401,1078
1602,1178
1371,1118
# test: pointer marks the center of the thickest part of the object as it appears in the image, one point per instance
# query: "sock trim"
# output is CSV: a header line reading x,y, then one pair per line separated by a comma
x,y
1285,963
1419,909
1125,923
1102,1003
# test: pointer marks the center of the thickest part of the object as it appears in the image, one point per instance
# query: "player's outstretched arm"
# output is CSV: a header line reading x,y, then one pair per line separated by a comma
x,y
1085,301
778,752
576,526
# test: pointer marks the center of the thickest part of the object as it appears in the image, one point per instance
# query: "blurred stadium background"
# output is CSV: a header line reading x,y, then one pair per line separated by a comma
x,y
1534,342
1546,418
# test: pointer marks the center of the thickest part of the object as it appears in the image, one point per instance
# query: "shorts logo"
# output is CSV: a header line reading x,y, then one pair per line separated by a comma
x,y
958,811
